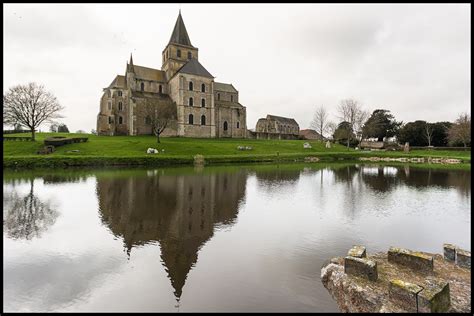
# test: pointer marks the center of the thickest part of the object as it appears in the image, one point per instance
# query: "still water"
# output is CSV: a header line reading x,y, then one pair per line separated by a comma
x,y
240,238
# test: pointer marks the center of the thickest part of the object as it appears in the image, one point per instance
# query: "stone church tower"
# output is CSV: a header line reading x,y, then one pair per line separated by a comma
x,y
204,107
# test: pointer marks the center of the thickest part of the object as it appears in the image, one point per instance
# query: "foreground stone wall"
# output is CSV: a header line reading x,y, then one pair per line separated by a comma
x,y
412,282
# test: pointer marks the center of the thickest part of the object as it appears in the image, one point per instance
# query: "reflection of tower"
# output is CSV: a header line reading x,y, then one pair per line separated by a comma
x,y
178,211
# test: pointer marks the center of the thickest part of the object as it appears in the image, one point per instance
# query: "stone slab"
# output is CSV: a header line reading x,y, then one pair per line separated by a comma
x,y
435,297
361,267
404,294
413,259
357,251
463,258
449,252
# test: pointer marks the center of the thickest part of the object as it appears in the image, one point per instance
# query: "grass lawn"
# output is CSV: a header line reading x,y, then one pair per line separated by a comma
x,y
181,150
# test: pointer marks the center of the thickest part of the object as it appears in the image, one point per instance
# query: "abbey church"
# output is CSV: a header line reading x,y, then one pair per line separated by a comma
x,y
204,107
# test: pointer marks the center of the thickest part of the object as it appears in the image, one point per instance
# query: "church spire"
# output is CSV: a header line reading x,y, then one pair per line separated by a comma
x,y
130,67
180,35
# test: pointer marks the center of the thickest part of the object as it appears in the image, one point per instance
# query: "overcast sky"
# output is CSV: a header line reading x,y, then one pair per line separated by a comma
x,y
285,59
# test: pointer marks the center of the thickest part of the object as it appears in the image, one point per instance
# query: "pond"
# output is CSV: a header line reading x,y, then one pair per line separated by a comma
x,y
227,238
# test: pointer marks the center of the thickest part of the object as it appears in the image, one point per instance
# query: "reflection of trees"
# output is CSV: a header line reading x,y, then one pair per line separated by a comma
x,y
345,174
27,216
380,181
277,177
178,211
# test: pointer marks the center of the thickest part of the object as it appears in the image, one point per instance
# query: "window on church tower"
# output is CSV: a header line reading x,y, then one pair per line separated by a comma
x,y
190,86
238,124
120,107
203,120
160,89
225,125
203,102
190,55
119,93
203,88
120,120
191,119
142,86
178,53
191,102
110,120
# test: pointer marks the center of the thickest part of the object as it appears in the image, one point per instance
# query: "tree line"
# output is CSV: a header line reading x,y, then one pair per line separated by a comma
x,y
356,124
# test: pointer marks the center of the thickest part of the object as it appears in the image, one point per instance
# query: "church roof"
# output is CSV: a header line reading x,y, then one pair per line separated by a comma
x,y
118,82
149,73
180,35
226,87
284,120
194,67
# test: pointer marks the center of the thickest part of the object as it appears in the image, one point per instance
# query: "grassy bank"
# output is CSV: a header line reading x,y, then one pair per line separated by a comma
x,y
131,150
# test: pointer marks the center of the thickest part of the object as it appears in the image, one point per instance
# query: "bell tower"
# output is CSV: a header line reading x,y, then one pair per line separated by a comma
x,y
179,49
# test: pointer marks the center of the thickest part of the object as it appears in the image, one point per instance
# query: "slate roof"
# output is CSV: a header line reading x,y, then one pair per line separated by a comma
x,y
142,94
180,35
228,104
149,73
284,120
118,82
194,67
225,87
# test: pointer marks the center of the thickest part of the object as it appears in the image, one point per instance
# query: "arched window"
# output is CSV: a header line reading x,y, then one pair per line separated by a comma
x,y
191,102
231,98
178,53
111,120
238,124
142,85
190,86
120,120
119,93
191,119
218,96
120,106
190,55
203,102
160,89
148,120
203,120
225,125
203,88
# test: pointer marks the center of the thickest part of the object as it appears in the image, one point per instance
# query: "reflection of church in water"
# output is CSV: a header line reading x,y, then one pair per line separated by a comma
x,y
178,211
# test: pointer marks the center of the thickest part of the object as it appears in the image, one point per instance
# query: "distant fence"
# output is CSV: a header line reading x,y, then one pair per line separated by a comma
x,y
440,148
16,131
20,138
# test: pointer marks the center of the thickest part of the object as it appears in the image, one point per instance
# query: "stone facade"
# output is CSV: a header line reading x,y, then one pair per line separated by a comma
x,y
204,107
277,127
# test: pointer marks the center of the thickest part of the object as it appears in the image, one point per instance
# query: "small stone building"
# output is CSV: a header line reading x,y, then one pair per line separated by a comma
x,y
277,127
311,134
204,107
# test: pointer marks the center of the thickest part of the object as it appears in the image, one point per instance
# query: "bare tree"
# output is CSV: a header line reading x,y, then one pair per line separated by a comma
x,y
331,128
350,111
429,133
27,216
159,115
30,105
460,131
53,127
320,121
